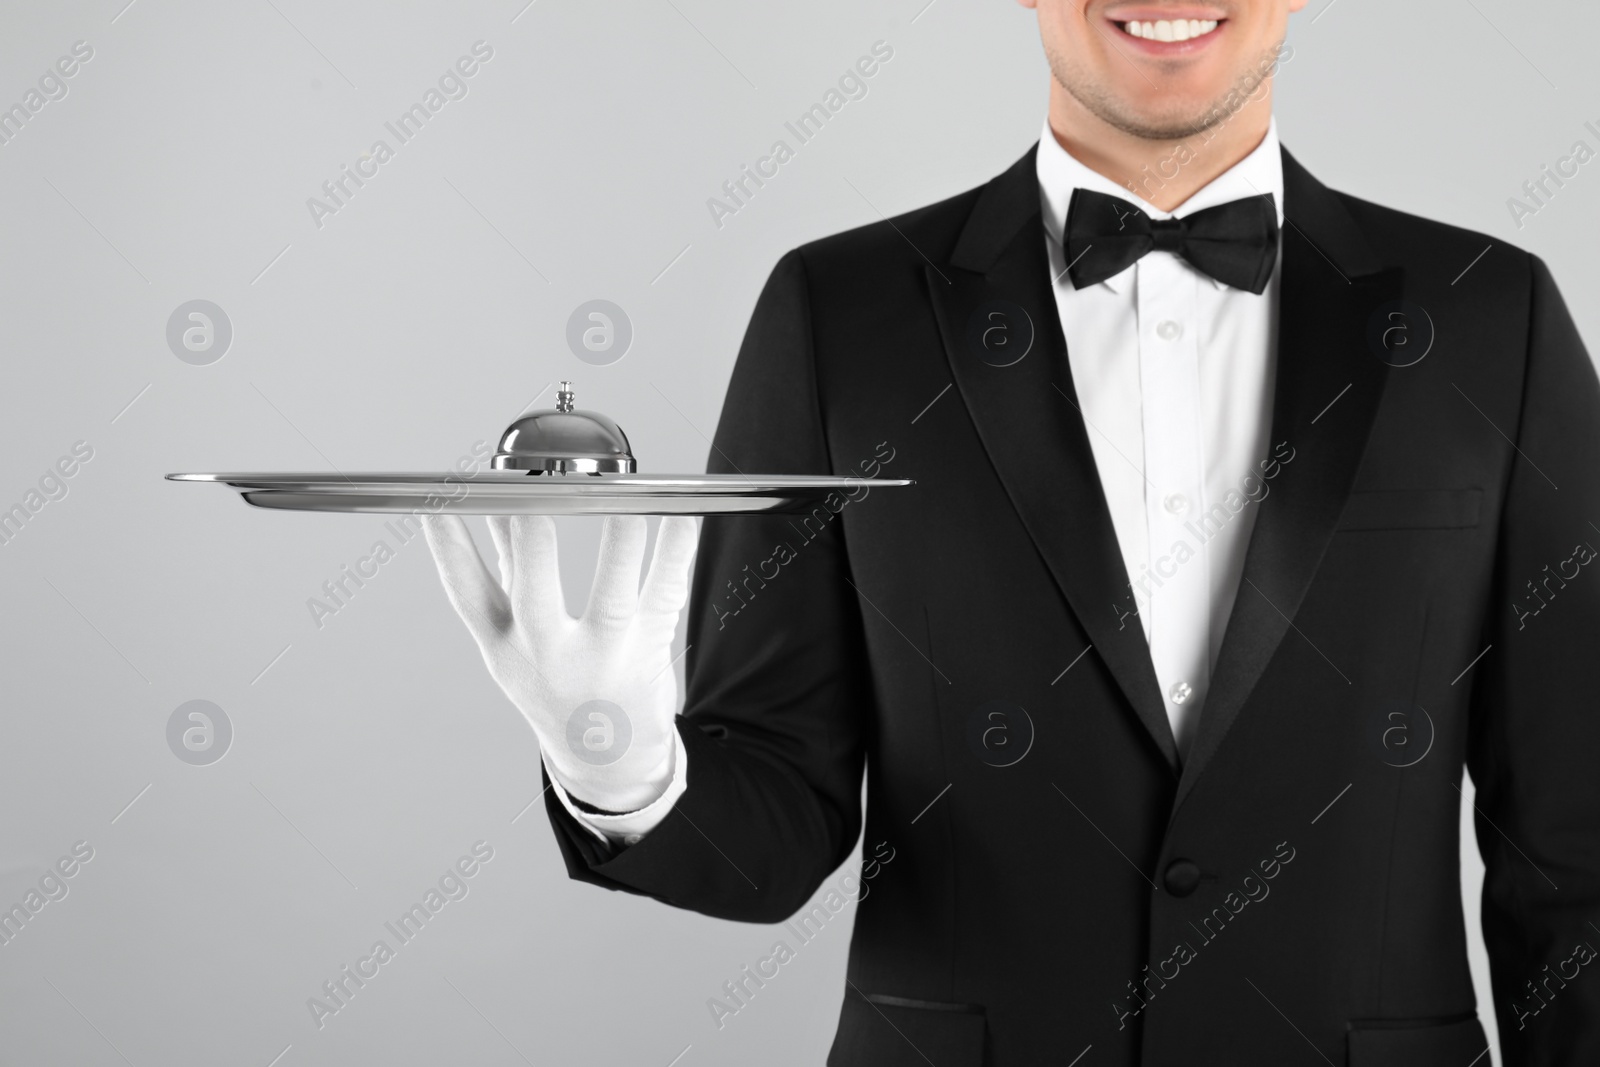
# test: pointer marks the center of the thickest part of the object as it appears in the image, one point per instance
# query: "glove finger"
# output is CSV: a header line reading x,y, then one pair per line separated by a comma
x,y
536,591
615,593
471,589
500,534
666,587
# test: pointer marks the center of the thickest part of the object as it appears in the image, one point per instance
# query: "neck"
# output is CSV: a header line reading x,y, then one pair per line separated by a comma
x,y
1163,173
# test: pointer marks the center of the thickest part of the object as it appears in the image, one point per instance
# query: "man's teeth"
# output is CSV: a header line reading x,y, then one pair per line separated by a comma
x,y
1173,30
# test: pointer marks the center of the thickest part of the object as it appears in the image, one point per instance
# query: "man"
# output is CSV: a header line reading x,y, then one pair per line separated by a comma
x,y
1233,539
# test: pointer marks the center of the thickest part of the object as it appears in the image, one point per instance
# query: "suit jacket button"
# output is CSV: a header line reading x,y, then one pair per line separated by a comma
x,y
1182,877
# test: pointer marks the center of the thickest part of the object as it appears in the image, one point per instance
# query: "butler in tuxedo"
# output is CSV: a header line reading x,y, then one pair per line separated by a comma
x,y
1247,515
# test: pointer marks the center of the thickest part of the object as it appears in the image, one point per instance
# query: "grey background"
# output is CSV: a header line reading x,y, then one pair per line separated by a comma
x,y
370,753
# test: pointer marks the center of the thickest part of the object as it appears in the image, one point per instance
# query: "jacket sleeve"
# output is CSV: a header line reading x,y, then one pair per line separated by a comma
x,y
778,694
1535,749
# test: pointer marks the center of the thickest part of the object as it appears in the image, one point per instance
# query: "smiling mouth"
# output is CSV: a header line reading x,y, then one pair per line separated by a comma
x,y
1170,29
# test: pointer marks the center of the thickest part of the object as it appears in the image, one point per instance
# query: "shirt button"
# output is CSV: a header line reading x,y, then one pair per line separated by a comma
x,y
1176,503
630,839
1169,330
1180,692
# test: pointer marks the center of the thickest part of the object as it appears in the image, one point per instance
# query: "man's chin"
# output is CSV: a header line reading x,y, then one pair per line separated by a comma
x,y
1163,117
1167,123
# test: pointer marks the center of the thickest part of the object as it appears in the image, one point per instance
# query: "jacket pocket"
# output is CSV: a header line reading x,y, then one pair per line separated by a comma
x,y
1412,509
1452,1042
876,1030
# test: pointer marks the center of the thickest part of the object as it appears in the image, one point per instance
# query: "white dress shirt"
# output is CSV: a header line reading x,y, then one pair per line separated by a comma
x,y
1173,372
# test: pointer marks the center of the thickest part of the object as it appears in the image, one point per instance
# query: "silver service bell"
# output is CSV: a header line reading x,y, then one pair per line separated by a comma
x,y
562,440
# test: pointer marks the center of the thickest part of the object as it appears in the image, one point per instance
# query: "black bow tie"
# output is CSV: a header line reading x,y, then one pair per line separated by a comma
x,y
1236,243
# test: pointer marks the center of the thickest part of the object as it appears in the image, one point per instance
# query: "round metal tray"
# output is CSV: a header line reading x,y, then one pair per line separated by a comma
x,y
513,492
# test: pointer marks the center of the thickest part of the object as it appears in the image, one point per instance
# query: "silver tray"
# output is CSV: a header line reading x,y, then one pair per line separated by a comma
x,y
515,492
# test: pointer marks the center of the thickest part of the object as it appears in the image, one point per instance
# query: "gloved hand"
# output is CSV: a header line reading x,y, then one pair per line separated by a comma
x,y
599,691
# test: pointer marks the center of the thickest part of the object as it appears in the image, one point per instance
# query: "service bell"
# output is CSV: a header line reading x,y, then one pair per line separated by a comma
x,y
562,440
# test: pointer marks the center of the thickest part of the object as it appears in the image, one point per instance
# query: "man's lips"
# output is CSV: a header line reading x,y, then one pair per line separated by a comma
x,y
1169,36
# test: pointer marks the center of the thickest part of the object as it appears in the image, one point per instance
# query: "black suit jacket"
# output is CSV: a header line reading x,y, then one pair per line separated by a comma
x,y
1417,596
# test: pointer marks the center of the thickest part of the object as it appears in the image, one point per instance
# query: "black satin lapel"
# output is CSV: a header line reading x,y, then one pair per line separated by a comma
x,y
1329,385
1028,419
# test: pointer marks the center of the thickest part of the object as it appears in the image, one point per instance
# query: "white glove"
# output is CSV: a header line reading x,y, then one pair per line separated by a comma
x,y
600,691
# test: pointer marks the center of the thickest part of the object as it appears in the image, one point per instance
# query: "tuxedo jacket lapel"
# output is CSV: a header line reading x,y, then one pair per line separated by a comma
x,y
1029,421
1329,385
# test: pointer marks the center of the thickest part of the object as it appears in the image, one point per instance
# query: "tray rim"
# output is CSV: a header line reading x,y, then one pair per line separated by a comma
x,y
513,492
582,484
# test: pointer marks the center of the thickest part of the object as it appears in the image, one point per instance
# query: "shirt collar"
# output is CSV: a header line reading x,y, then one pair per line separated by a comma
x,y
1060,173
